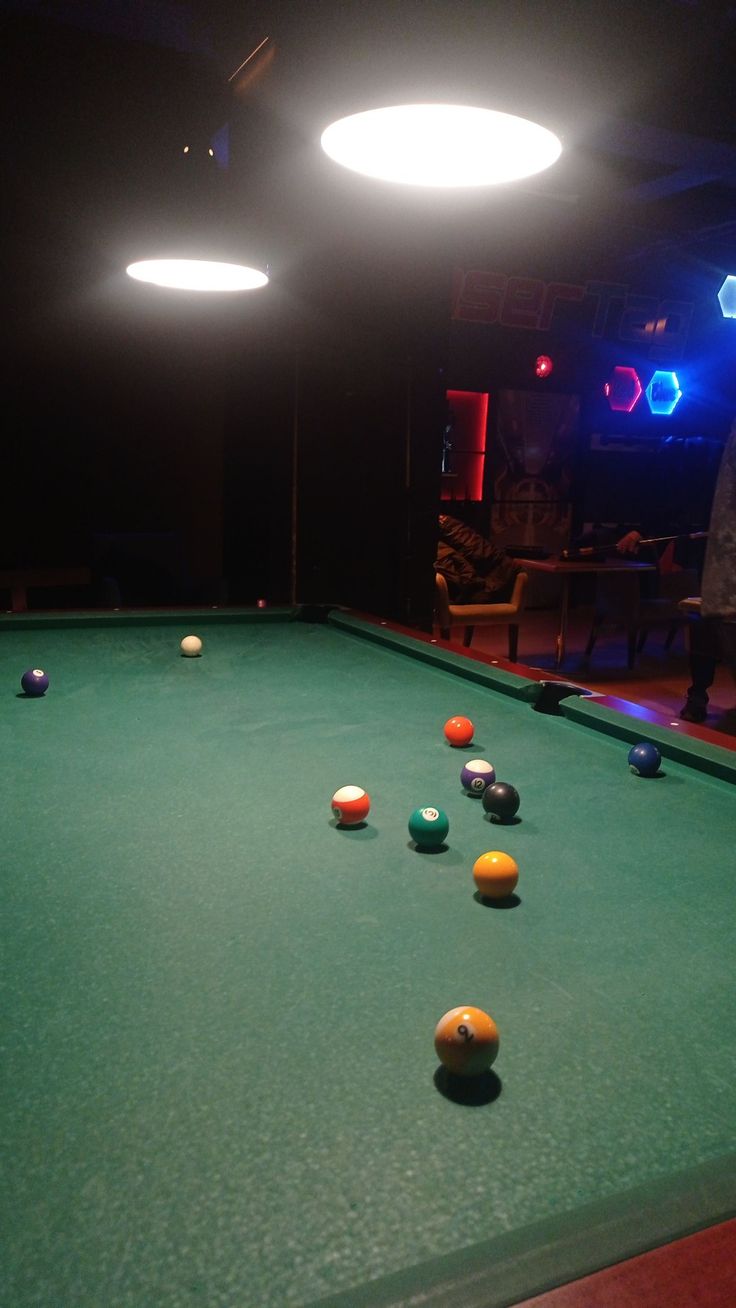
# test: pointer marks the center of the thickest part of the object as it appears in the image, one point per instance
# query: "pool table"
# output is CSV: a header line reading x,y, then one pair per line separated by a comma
x,y
220,1080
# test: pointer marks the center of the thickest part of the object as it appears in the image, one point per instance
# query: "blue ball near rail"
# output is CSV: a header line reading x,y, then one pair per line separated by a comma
x,y
645,759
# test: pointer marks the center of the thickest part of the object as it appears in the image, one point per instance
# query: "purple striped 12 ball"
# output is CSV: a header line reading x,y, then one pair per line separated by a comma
x,y
34,682
476,775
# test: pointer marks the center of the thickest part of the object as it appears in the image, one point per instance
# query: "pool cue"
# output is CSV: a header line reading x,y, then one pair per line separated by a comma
x,y
586,552
598,551
683,535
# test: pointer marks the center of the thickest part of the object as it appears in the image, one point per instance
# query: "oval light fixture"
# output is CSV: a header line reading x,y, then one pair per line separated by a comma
x,y
197,275
442,145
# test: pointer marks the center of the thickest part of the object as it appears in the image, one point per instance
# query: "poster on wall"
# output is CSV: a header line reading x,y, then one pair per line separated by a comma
x,y
532,464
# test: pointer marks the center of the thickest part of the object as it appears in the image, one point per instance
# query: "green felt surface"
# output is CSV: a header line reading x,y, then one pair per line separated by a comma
x,y
219,1008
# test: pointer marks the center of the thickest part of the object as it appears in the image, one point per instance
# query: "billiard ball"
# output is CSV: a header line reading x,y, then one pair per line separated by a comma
x,y
476,775
501,801
428,826
466,1040
35,682
350,805
644,759
495,874
459,731
191,647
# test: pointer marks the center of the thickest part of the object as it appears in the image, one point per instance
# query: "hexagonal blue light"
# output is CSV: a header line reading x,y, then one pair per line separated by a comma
x,y
663,392
727,297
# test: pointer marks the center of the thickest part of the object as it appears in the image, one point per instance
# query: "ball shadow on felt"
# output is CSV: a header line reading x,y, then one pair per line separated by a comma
x,y
470,1091
506,901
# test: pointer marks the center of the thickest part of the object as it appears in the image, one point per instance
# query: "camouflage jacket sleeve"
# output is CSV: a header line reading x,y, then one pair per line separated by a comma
x,y
486,564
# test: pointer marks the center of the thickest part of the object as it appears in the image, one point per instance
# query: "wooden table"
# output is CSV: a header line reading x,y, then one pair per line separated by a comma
x,y
565,569
19,580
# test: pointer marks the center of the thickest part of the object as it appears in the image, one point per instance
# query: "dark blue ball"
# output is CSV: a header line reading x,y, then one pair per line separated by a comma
x,y
35,682
644,759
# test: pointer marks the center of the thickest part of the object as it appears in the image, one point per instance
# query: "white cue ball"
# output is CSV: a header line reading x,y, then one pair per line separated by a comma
x,y
191,646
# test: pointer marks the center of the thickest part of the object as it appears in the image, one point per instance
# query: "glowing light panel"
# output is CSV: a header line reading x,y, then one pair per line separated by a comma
x,y
624,390
663,392
727,297
469,411
443,145
197,275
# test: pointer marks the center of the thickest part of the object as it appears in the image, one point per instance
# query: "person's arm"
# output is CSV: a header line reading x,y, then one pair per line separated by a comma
x,y
482,555
629,543
458,573
473,565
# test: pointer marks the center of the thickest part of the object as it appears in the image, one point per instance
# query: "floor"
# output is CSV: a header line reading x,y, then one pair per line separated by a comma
x,y
696,1272
658,681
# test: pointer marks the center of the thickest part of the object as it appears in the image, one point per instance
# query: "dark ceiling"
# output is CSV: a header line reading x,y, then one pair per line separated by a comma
x,y
638,92
104,377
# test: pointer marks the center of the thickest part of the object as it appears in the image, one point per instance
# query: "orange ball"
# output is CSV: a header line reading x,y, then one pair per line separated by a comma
x,y
466,1040
459,731
496,874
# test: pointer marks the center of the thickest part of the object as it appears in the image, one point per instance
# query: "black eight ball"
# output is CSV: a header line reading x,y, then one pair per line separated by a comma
x,y
501,800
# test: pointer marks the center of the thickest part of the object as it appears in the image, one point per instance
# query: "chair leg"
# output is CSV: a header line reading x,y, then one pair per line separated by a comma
x,y
445,633
592,638
631,647
513,641
468,636
671,634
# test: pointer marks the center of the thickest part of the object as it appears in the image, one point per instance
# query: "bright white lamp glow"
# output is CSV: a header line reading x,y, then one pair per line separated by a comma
x,y
197,275
445,145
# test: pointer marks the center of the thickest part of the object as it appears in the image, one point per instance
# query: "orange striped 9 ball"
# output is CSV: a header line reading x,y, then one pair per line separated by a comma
x,y
466,1040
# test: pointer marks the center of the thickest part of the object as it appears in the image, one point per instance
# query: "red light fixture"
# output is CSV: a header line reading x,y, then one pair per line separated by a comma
x,y
463,472
543,366
624,390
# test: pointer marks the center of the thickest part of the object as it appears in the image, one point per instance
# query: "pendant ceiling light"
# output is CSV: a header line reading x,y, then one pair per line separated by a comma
x,y
441,145
194,237
196,244
197,274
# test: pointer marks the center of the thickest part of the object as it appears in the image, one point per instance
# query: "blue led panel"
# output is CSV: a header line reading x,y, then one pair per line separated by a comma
x,y
727,297
663,392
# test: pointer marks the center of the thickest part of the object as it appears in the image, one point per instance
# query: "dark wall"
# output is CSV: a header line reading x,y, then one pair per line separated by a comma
x,y
113,406
133,410
633,467
344,400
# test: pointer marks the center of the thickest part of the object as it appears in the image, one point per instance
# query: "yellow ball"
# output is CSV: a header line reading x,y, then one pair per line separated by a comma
x,y
191,646
496,874
466,1040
